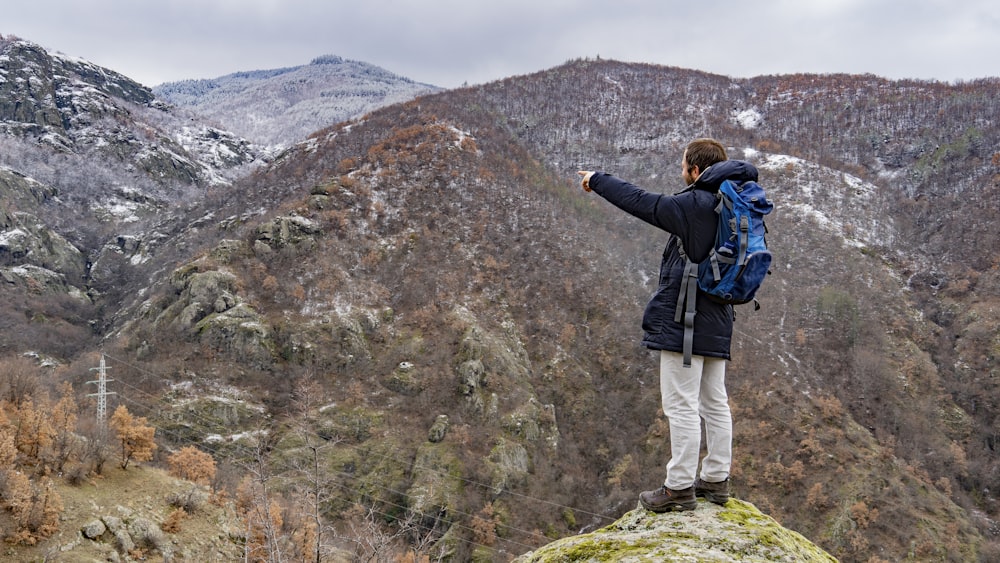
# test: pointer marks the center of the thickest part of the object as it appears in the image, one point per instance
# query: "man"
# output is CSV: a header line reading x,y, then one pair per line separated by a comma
x,y
695,393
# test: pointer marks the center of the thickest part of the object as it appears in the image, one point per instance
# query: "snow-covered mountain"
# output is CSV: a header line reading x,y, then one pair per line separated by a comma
x,y
95,172
282,106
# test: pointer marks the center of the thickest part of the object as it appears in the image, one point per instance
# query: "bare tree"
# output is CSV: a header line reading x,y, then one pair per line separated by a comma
x,y
374,541
308,464
258,507
19,378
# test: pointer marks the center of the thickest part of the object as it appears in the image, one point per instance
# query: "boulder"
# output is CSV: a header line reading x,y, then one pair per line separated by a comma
x,y
439,429
736,532
93,529
509,464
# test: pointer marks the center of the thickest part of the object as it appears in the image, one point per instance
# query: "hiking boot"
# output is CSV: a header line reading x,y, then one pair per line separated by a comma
x,y
713,492
665,500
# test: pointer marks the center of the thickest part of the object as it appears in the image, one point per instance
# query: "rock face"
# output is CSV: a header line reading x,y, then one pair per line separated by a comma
x,y
54,94
96,177
206,304
735,532
25,240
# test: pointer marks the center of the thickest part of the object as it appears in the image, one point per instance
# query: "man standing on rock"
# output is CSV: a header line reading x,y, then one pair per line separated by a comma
x,y
697,392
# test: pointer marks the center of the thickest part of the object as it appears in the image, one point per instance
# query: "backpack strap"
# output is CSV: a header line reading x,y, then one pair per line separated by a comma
x,y
687,299
713,258
691,298
744,235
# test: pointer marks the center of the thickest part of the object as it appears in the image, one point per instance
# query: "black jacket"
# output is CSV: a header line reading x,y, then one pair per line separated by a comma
x,y
690,216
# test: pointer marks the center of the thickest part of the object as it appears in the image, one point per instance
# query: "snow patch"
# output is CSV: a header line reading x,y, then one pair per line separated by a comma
x,y
216,438
839,203
124,211
461,136
748,119
12,236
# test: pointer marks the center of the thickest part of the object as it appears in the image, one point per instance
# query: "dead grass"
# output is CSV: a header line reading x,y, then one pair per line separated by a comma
x,y
140,491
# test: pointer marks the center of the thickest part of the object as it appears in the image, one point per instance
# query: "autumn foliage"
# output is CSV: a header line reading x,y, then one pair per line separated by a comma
x,y
34,434
135,436
192,464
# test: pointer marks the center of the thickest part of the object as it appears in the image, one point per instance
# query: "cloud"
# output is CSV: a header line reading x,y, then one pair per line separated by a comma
x,y
449,42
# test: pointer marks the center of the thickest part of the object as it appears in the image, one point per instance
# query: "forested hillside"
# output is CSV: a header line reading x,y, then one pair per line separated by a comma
x,y
417,336
282,106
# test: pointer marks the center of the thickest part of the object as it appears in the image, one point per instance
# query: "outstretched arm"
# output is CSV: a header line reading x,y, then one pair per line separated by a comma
x,y
656,209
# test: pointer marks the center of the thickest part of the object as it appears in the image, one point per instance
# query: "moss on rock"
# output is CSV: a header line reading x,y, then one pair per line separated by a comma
x,y
436,490
735,532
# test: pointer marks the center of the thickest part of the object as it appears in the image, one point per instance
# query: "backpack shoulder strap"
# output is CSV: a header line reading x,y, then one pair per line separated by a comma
x,y
685,309
687,298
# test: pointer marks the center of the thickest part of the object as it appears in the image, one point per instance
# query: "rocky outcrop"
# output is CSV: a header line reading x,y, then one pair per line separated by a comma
x,y
24,239
23,191
737,532
33,257
27,241
207,306
35,92
38,280
240,331
405,380
128,532
439,429
288,232
509,463
74,106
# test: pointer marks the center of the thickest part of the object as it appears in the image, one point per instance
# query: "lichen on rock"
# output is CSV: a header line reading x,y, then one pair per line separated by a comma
x,y
436,491
736,532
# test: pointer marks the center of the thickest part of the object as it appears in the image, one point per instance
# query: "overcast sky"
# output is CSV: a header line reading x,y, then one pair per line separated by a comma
x,y
451,42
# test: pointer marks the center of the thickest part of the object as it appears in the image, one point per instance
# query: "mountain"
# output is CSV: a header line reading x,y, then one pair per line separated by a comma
x,y
417,324
283,106
98,176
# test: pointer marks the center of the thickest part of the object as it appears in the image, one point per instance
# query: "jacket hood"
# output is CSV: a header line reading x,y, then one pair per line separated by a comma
x,y
736,170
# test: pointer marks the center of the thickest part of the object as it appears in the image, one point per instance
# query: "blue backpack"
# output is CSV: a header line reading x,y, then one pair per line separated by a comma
x,y
736,267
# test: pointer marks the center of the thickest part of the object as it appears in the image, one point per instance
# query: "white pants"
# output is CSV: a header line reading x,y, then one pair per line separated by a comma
x,y
689,396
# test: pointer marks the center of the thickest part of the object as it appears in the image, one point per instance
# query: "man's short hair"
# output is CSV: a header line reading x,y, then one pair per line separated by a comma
x,y
704,153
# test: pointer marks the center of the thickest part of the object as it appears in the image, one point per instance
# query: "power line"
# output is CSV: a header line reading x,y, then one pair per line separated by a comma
x,y
356,493
345,475
353,492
